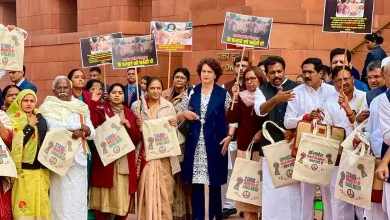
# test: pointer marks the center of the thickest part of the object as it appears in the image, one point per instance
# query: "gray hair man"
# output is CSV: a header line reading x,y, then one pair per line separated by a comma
x,y
68,194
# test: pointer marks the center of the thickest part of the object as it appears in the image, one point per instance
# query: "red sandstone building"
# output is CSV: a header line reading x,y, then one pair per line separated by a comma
x,y
55,27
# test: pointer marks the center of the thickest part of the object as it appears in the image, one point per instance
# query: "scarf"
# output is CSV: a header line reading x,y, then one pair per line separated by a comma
x,y
19,120
59,110
247,98
118,110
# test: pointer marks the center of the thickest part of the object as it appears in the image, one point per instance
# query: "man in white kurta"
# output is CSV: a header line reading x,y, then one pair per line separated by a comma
x,y
308,98
68,194
342,109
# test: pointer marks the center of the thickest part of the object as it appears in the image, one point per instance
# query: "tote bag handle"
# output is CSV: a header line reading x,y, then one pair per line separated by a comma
x,y
328,126
267,135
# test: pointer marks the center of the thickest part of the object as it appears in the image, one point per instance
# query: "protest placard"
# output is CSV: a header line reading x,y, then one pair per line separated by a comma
x,y
350,16
246,30
237,47
134,52
96,50
172,36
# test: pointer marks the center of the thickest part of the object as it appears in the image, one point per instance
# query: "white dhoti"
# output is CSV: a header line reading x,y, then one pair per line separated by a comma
x,y
308,192
340,209
386,199
68,194
283,203
376,212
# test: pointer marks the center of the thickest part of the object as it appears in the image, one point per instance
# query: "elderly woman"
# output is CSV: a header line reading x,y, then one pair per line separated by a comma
x,y
205,159
182,192
249,125
181,79
155,198
30,192
5,182
112,186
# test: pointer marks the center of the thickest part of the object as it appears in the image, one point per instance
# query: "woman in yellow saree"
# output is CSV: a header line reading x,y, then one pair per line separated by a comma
x,y
30,197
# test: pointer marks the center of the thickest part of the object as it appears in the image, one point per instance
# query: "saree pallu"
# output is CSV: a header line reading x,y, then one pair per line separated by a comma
x,y
155,191
5,199
30,195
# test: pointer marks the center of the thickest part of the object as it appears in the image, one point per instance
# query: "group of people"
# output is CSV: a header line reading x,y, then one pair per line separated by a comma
x,y
223,122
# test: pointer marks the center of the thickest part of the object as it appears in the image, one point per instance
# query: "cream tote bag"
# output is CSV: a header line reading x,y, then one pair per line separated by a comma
x,y
316,157
355,175
160,139
112,140
12,48
348,142
7,165
246,181
57,154
279,160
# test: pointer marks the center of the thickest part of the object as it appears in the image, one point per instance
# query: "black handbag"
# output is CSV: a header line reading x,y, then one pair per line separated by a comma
x,y
185,125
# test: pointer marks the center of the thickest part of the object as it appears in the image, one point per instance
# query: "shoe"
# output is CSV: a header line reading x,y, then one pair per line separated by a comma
x,y
226,213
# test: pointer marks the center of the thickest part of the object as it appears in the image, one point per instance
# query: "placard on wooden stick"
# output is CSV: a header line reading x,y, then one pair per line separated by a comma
x,y
172,37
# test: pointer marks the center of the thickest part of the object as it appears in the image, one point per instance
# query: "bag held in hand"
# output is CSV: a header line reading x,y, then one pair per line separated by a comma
x,y
57,154
7,165
160,139
112,140
316,157
246,181
279,159
336,133
355,176
12,48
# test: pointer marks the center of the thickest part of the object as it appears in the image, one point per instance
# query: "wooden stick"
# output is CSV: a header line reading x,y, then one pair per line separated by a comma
x,y
104,78
169,68
136,89
345,62
238,76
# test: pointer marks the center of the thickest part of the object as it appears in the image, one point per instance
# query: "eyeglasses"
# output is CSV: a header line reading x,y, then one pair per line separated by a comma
x,y
252,79
345,79
182,78
373,77
242,66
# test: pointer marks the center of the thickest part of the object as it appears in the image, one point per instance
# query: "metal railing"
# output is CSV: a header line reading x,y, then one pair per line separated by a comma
x,y
378,31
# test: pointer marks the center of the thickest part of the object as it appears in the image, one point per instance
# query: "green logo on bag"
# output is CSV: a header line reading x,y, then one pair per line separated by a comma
x,y
353,182
161,139
113,140
59,151
7,50
316,157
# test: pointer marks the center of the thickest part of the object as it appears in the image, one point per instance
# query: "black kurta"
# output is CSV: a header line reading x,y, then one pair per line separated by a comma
x,y
277,113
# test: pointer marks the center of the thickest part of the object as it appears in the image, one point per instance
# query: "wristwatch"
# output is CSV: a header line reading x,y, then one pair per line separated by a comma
x,y
230,135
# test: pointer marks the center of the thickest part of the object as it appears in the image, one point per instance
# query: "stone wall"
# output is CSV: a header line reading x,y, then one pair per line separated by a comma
x,y
55,27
